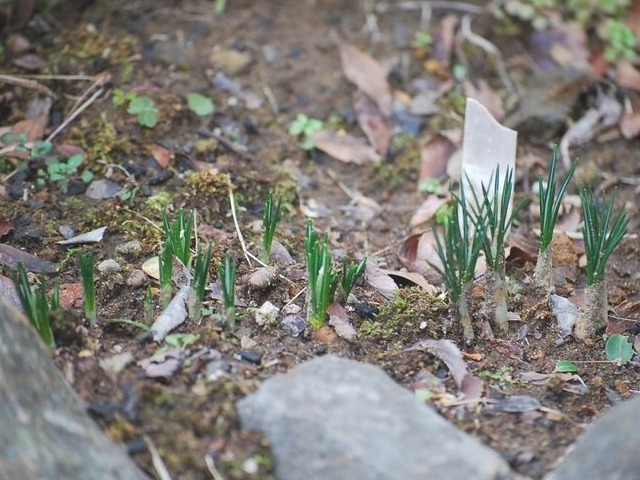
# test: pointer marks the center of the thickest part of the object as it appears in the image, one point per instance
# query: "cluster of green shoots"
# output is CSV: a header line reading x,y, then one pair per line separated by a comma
x,y
326,285
270,218
38,306
482,225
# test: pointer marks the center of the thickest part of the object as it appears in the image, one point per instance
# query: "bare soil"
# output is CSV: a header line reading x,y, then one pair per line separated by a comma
x,y
163,49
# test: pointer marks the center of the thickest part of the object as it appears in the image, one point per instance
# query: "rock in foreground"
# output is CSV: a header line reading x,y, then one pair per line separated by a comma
x,y
332,419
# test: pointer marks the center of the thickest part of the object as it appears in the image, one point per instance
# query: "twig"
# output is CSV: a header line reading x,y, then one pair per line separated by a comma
x,y
434,4
295,297
232,201
490,48
241,150
26,83
156,460
208,460
271,98
73,115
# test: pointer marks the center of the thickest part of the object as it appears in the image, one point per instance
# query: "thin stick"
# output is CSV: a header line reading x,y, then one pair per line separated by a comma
x,y
271,98
69,78
156,460
232,201
490,48
71,117
437,5
294,298
209,461
26,83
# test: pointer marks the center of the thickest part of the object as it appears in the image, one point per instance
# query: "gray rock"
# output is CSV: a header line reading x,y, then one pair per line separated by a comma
x,y
608,449
109,266
45,432
333,419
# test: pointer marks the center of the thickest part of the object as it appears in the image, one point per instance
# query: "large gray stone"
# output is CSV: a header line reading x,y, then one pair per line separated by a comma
x,y
45,432
609,449
337,419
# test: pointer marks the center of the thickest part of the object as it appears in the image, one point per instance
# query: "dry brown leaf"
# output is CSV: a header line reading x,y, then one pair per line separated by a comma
x,y
416,251
627,75
412,279
339,320
487,96
32,128
345,147
372,122
378,279
162,155
434,157
368,75
427,210
630,125
5,227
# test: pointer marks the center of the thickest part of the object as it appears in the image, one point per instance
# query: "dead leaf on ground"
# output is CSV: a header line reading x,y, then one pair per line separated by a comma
x,y
630,125
339,320
411,279
625,319
162,155
564,44
368,75
345,147
627,76
5,227
372,122
426,211
163,364
487,96
379,280
33,128
417,251
11,257
434,157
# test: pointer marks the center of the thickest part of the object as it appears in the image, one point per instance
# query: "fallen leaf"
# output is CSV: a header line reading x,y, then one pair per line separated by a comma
x,y
426,211
11,257
627,75
163,364
417,251
339,320
162,155
372,122
5,227
434,157
70,295
33,128
487,96
379,280
518,404
630,125
412,279
345,147
368,75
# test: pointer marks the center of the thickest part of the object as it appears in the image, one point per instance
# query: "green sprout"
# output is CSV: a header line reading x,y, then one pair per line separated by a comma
x,y
422,40
145,110
178,234
350,273
323,280
219,6
620,40
200,104
37,306
494,209
87,271
57,171
165,269
227,279
270,219
458,248
304,126
602,234
201,272
550,202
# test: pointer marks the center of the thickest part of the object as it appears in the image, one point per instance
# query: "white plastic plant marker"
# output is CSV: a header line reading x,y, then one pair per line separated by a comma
x,y
486,145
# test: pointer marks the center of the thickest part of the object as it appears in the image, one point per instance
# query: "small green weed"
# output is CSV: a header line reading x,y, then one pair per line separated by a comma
x,y
227,279
620,40
618,349
37,305
87,273
304,127
141,106
200,104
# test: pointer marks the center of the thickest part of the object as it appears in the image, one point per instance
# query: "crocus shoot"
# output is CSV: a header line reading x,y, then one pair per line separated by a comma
x,y
37,305
165,270
602,233
549,208
227,279
458,248
270,219
495,208
199,281
178,235
87,273
323,280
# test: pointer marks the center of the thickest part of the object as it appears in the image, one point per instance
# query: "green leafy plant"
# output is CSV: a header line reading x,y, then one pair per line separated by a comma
x,y
565,366
87,272
323,280
165,270
493,208
549,208
227,279
57,171
304,126
458,248
620,41
270,218
146,111
422,40
618,349
37,305
200,104
178,235
602,234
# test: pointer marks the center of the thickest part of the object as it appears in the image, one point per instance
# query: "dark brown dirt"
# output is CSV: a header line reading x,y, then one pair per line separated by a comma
x,y
162,48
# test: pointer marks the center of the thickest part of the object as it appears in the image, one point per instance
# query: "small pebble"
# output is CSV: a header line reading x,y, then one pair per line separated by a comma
x,y
66,231
291,309
137,279
267,313
133,248
293,325
109,266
